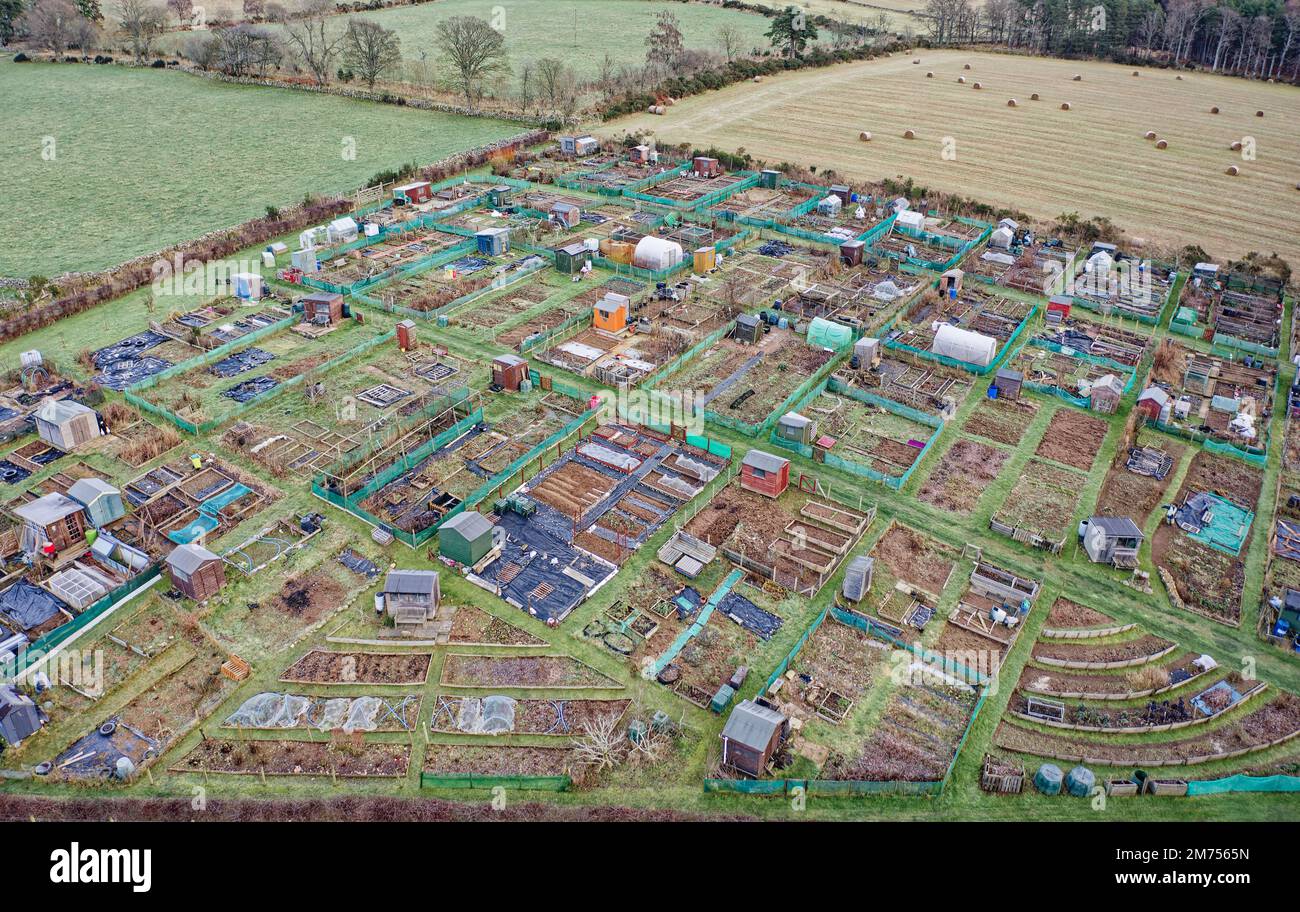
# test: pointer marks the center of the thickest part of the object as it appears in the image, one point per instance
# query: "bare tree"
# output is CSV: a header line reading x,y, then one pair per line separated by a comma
x,y
370,50
55,25
142,22
526,93
664,43
309,38
730,41
474,52
183,10
601,745
558,85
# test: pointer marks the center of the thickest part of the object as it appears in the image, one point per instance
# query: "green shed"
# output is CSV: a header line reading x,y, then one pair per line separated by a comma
x,y
465,538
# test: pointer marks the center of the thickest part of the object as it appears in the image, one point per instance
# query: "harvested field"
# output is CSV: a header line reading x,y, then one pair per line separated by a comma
x,y
1072,438
296,758
968,467
1002,420
472,626
321,666
1143,192
559,672
496,760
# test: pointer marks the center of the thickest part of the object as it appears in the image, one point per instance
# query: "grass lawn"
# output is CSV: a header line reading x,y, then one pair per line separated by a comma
x,y
144,159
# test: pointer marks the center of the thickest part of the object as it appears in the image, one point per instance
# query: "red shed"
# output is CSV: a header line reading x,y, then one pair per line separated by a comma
x,y
1060,304
509,371
1152,402
196,571
324,308
765,473
706,167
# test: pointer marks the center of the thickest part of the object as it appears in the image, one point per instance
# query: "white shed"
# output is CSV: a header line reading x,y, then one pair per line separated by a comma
x,y
910,219
343,230
66,424
964,345
1002,238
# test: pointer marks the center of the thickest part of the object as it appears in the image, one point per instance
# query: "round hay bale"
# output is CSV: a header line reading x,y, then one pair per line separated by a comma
x,y
1236,147
1011,102
1136,73
1259,113
929,74
864,136
961,80
1151,134
1065,106
917,60
909,134
758,78
977,86
1078,77
1034,97
1179,77
966,66
1162,144
1232,171
1214,110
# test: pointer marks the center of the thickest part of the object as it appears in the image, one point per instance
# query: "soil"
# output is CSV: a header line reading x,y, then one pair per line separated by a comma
x,y
1072,438
520,671
309,597
1068,615
763,520
1207,579
303,758
1222,475
541,717
1084,651
1002,420
1060,680
1129,494
474,625
496,760
320,666
912,557
967,469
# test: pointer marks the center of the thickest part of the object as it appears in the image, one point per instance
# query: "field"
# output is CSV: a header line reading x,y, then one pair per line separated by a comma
x,y
564,29
1174,197
125,181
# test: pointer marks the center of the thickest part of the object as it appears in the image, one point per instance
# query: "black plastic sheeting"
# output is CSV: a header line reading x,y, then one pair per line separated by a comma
x,y
358,564
7,413
242,392
543,553
240,362
47,457
129,349
11,473
28,605
750,616
121,374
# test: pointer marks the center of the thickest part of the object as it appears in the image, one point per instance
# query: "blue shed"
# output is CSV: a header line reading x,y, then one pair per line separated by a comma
x,y
102,501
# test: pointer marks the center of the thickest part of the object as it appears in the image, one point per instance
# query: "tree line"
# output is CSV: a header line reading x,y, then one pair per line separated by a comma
x,y
1252,38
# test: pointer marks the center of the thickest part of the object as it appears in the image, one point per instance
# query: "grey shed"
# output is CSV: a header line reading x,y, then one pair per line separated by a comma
x,y
857,579
19,716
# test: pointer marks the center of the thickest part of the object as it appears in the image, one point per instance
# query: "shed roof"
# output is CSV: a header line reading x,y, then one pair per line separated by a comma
x,y
57,411
471,524
87,490
189,558
1154,393
794,419
768,462
508,360
411,582
48,509
752,725
1116,526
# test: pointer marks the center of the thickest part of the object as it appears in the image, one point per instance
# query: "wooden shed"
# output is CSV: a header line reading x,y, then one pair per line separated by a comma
x,y
1008,383
764,473
196,572
509,372
66,424
569,260
706,167
324,308
611,313
51,525
753,733
417,192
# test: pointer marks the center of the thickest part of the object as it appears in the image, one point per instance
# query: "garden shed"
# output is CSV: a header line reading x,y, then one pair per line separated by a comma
x,y
51,525
509,372
656,253
753,733
66,424
465,538
196,572
764,473
102,501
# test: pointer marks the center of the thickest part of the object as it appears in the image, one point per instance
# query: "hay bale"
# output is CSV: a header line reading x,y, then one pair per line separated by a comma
x,y
864,136
1034,97
977,86
929,74
1236,146
1232,171
1162,144
1151,134
1214,110
1136,73
1259,113
961,80
909,134
1065,106
1078,77
966,66
1011,102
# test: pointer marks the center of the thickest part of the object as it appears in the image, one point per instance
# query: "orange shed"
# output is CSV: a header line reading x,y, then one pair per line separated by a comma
x,y
611,313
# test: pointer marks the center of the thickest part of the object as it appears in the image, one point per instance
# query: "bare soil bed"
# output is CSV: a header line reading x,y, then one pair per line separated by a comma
x,y
1061,680
914,740
1002,420
563,718
1086,651
296,758
915,558
1207,579
497,760
967,469
1068,615
321,666
521,671
474,626
1225,476
1129,494
1073,438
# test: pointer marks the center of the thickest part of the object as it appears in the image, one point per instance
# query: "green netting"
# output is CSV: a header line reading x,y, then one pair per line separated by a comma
x,y
1243,345
1243,783
425,263
1228,526
473,781
716,447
